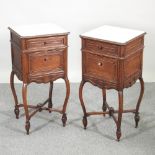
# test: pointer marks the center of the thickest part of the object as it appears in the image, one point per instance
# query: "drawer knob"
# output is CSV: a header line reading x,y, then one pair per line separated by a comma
x,y
45,59
100,47
99,64
45,43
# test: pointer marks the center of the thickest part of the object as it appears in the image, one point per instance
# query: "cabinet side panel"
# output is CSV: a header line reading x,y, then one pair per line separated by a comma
x,y
133,68
65,56
16,55
82,58
134,46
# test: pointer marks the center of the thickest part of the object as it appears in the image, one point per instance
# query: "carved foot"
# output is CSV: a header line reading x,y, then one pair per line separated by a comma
x,y
118,134
104,108
137,118
64,119
85,122
27,127
50,105
111,111
16,110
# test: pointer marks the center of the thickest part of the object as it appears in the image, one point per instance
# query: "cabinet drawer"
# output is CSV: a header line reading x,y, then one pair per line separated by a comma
x,y
100,67
45,42
45,61
101,47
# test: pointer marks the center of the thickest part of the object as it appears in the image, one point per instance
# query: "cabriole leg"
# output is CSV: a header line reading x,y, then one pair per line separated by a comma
x,y
120,111
24,95
64,117
137,117
50,104
82,104
104,107
16,110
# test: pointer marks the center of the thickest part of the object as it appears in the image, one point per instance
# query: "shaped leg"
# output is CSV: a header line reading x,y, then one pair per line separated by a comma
x,y
64,117
16,110
50,96
82,104
24,95
120,111
104,107
85,122
137,117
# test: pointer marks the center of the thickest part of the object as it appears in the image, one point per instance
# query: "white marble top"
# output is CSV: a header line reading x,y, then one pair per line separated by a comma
x,y
113,34
38,29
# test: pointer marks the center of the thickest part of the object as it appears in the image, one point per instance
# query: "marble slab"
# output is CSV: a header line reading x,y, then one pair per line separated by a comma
x,y
113,34
38,29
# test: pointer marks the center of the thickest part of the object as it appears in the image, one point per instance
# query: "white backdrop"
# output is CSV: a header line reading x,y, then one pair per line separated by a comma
x,y
78,16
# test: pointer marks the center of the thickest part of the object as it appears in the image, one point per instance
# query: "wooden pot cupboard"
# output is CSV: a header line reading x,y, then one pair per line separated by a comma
x,y
112,58
39,54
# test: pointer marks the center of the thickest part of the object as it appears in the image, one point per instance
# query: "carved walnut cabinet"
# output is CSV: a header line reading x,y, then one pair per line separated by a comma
x,y
112,58
39,54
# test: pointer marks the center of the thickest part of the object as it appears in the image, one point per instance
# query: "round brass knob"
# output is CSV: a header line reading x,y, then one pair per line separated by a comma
x,y
99,64
100,47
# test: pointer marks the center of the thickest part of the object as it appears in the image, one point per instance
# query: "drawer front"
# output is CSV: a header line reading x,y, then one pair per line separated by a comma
x,y
101,47
45,42
100,67
46,61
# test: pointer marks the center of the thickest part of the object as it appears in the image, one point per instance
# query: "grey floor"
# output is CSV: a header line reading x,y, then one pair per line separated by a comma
x,y
47,136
